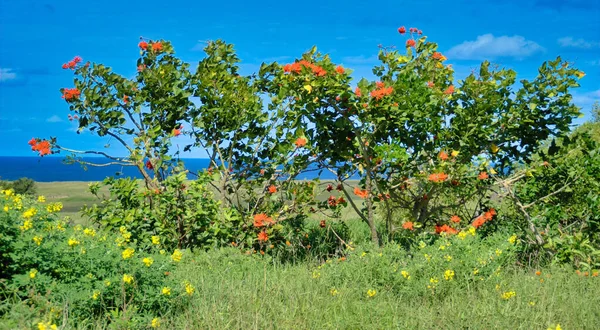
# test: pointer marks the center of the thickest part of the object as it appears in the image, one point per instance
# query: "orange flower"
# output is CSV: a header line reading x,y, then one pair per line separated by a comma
x,y
357,92
438,56
125,99
443,155
263,237
402,30
361,192
409,225
300,142
380,93
32,142
538,273
455,218
445,229
177,131
272,189
43,147
410,43
71,93
438,177
379,84
339,69
479,221
143,45
449,90
260,220
157,46
430,84
483,176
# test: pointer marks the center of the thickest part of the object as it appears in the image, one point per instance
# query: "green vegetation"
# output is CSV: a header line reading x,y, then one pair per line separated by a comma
x,y
461,217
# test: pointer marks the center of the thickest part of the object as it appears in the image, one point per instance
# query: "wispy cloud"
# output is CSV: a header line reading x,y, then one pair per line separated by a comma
x,y
7,74
54,119
578,43
585,100
489,47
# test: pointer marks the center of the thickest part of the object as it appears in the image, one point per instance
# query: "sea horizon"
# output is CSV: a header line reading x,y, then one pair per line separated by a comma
x,y
52,169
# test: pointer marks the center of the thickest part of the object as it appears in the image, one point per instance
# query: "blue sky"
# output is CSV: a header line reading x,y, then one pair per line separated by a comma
x,y
37,37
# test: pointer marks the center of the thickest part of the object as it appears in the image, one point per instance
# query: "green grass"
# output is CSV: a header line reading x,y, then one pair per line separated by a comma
x,y
241,292
73,195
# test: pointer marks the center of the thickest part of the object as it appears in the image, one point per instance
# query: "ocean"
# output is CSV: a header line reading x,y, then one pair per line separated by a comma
x,y
51,169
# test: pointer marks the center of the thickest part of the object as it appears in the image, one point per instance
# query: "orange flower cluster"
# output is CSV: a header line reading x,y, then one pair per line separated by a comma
x,y
487,216
263,237
449,90
41,146
438,177
72,63
455,218
410,43
300,142
483,176
443,155
296,67
445,229
409,225
143,45
361,192
333,202
272,189
357,92
438,56
157,46
262,219
71,93
177,131
381,91
430,84
339,69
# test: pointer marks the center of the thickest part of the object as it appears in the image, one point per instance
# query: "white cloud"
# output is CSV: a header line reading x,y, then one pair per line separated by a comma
x,y
54,119
488,47
585,100
577,43
7,74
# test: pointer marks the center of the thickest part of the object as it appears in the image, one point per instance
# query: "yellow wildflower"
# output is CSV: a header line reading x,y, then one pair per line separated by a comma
x,y
46,326
26,225
37,239
128,253
509,294
166,291
448,258
177,255
32,273
454,153
78,227
472,231
532,303
162,252
41,199
316,274
148,261
422,245
448,275
189,289
107,283
89,232
5,208
405,274
127,278
462,235
155,240
428,257
334,292
442,247
512,239
155,322
29,213
498,252
475,271
73,242
433,280
95,295
371,293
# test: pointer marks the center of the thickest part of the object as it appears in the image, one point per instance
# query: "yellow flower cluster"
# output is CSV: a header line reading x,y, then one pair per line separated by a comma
x,y
127,253
166,291
127,278
155,322
508,295
177,255
46,326
89,232
189,288
148,261
73,242
29,213
371,293
448,275
54,207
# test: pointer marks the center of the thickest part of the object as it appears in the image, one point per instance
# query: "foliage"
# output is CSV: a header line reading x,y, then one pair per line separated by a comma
x,y
93,273
22,186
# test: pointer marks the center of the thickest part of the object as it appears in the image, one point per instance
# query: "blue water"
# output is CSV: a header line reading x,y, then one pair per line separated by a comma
x,y
50,169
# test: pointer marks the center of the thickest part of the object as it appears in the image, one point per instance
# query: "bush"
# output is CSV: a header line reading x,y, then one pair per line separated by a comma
x,y
22,186
83,272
